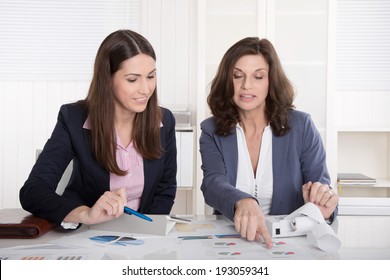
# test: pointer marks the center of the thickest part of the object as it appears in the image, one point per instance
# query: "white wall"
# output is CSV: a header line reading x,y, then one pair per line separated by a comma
x,y
170,26
28,115
29,108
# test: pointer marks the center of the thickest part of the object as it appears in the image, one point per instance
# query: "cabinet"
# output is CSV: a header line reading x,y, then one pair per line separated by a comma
x,y
359,142
366,152
185,171
358,99
185,157
359,126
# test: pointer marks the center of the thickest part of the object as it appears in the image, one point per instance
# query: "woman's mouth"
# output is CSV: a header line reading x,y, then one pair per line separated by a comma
x,y
141,100
247,97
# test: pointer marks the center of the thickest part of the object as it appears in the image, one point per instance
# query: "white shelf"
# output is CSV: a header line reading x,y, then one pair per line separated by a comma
x,y
380,190
380,183
184,128
364,206
363,129
364,150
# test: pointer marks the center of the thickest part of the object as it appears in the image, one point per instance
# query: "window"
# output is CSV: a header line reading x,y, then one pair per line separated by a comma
x,y
46,39
363,45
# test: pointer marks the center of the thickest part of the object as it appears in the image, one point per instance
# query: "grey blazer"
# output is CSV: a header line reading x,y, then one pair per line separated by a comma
x,y
297,157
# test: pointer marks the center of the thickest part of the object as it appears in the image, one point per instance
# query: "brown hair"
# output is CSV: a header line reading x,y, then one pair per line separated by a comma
x,y
280,92
116,48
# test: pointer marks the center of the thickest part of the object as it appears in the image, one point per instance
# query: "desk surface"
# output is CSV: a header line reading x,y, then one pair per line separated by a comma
x,y
207,237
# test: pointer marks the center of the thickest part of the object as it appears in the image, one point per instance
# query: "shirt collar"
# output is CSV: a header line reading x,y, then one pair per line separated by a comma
x,y
87,124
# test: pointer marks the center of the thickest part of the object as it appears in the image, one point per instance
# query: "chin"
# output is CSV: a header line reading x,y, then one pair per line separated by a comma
x,y
140,109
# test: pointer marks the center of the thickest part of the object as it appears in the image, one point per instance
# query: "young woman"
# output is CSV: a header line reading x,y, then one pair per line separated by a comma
x,y
121,142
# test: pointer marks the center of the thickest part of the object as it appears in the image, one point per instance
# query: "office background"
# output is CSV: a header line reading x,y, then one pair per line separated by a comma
x,y
336,53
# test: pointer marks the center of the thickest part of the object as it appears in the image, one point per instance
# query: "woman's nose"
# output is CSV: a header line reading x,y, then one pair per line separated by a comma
x,y
246,84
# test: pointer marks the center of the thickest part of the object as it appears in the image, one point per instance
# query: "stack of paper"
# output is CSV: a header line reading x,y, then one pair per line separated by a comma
x,y
354,179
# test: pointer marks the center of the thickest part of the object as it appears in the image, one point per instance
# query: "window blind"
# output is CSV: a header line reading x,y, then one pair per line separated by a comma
x,y
58,39
363,45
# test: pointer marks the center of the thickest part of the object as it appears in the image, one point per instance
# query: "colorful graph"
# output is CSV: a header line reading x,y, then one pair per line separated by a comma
x,y
195,237
234,235
57,258
279,245
69,258
283,253
34,258
224,243
229,253
116,240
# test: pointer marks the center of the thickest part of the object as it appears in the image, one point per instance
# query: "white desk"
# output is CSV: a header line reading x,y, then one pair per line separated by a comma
x,y
355,244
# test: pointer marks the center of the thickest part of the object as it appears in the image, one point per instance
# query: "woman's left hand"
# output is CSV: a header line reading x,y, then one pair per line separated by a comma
x,y
321,195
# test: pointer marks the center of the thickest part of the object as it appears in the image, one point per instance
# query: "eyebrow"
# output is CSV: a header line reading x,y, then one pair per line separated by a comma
x,y
138,75
260,69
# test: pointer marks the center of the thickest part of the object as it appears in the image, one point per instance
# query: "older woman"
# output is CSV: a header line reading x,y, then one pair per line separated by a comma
x,y
260,156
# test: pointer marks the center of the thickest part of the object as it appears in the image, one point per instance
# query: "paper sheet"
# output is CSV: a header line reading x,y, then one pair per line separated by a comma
x,y
51,252
237,248
161,225
123,245
203,239
204,227
323,237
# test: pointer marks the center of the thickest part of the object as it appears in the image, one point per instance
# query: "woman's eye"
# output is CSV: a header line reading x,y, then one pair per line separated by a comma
x,y
151,77
131,80
237,76
259,78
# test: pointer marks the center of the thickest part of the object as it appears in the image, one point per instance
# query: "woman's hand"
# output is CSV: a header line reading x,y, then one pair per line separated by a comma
x,y
322,196
250,221
109,206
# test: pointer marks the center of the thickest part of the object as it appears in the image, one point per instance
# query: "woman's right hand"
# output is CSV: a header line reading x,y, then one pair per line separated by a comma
x,y
249,221
109,206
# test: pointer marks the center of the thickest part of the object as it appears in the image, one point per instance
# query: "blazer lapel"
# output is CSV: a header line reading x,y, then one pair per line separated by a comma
x,y
230,155
148,181
279,152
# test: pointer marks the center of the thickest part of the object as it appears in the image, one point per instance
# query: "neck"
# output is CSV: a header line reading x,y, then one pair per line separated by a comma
x,y
123,118
124,127
253,122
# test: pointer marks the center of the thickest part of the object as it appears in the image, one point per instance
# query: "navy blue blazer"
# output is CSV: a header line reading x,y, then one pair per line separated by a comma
x,y
297,157
89,180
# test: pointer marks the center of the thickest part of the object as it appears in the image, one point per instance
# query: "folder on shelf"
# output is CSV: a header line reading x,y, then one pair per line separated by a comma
x,y
354,179
18,223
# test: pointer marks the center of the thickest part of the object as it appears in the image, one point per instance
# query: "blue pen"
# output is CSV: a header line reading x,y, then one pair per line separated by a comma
x,y
130,211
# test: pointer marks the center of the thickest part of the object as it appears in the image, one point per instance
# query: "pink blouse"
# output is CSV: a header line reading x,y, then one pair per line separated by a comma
x,y
130,160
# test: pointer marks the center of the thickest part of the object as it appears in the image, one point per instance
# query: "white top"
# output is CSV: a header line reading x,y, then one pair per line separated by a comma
x,y
260,187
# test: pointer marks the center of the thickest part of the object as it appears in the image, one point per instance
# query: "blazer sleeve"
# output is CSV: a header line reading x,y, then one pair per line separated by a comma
x,y
218,185
313,157
38,194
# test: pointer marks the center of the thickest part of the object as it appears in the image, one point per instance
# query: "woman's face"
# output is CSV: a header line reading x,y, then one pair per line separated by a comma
x,y
250,80
134,83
